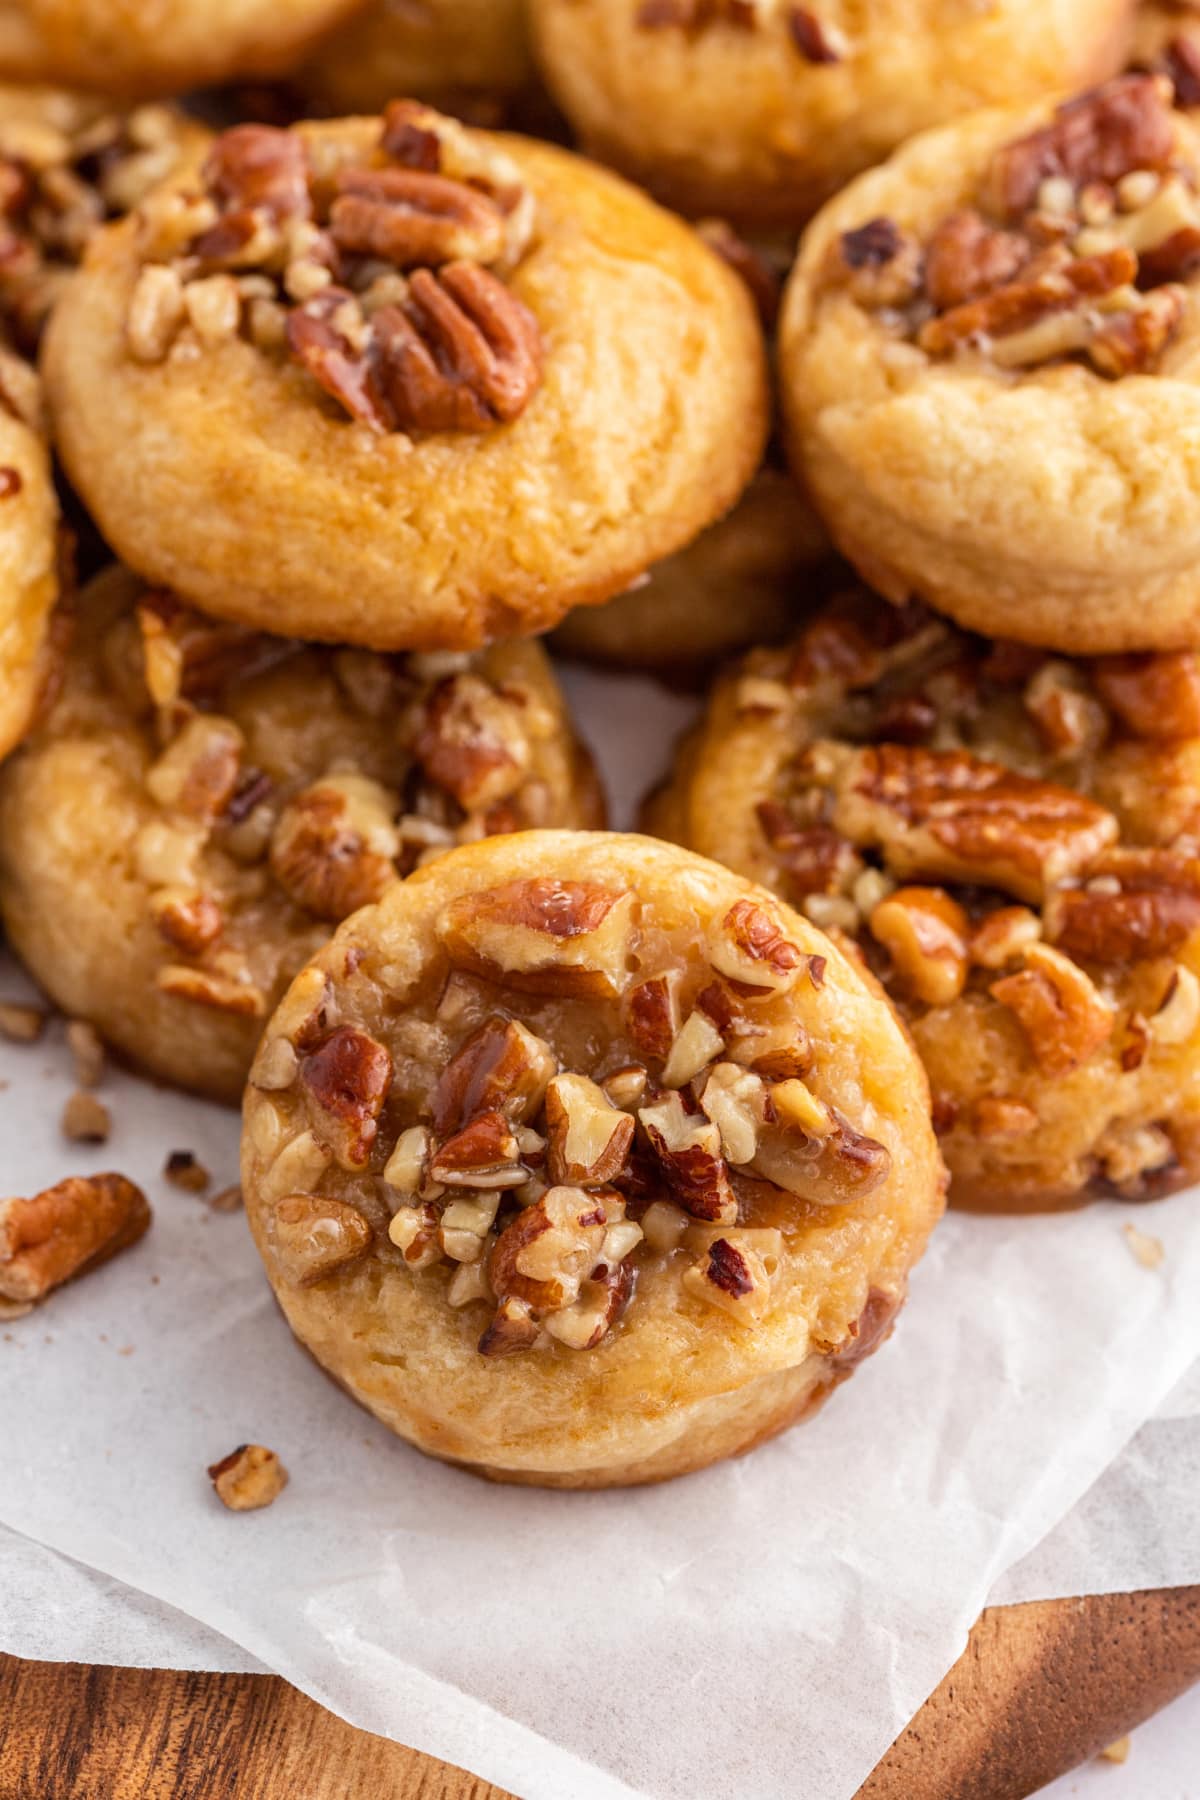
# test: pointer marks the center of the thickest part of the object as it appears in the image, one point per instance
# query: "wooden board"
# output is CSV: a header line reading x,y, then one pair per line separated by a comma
x,y
1039,1689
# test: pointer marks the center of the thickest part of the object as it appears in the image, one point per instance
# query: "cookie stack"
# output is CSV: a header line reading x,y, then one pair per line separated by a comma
x,y
580,1157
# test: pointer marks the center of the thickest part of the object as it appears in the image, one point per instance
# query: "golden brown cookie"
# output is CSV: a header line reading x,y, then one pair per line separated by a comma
x,y
743,581
129,47
451,371
466,55
581,1162
990,351
204,804
31,552
1013,841
1166,39
760,109
69,163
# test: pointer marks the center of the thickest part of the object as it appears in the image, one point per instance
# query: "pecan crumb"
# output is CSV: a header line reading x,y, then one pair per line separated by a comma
x,y
87,1048
248,1478
21,1024
182,1170
85,1119
225,1200
1150,1253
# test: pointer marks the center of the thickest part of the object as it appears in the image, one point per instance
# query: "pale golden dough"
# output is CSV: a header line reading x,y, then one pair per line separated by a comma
x,y
450,52
230,477
1015,1133
734,119
1050,505
677,1382
129,47
743,581
86,850
29,554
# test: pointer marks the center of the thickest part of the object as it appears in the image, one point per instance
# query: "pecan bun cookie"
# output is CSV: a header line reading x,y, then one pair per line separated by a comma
x,y
204,804
70,163
1013,841
760,109
582,1162
461,359
31,552
129,47
990,352
470,56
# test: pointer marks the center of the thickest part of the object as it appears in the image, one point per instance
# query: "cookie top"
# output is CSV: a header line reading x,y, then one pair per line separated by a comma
x,y
574,1127
1013,842
463,359
759,109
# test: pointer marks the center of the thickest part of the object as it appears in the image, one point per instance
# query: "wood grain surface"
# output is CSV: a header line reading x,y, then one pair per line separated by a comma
x,y
1039,1689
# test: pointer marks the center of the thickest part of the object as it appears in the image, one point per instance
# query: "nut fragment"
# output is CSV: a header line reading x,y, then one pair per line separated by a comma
x,y
813,1152
85,1119
205,987
542,936
653,1015
1156,696
183,1170
513,1328
926,933
21,1024
697,1044
1101,136
588,1139
471,742
733,1276
751,949
1060,1010
335,844
248,1478
315,1236
549,1249
687,1149
502,1067
484,1154
347,1078
735,1100
66,1229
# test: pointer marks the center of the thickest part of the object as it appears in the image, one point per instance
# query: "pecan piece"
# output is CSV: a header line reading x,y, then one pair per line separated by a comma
x,y
877,263
513,1328
1059,1009
335,844
687,1148
65,1230
602,1299
1141,904
926,933
190,921
587,1138
484,1154
502,1067
472,743
652,1015
967,258
1133,340
946,814
462,354
543,936
817,40
208,987
258,176
1155,696
315,1236
197,773
347,1078
809,1149
1100,136
414,219
1023,304
751,950
327,335
547,1252
248,1478
736,1274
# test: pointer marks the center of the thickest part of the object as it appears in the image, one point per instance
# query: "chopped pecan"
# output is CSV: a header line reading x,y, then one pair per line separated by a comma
x,y
1134,338
465,1224
1060,1010
408,137
315,1236
588,1139
815,858
188,919
483,1154
698,1042
414,1231
735,1099
687,1149
258,176
1068,718
750,948
926,933
335,844
652,1020
188,656
472,742
1004,935
967,257
1139,904
65,1230
547,1252
248,1478
1023,304
735,1274
347,1078
208,987
513,1328
198,771
327,336
1100,136
1000,1115
816,39
602,1299
812,1151
414,219
877,263
1178,1011
543,936
462,354
947,814
21,1024
1155,696
86,1119
502,1067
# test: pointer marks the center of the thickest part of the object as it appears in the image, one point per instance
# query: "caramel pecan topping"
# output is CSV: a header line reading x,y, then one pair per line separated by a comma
x,y
1155,696
347,1078
1059,1009
542,936
65,1230
1100,136
1136,904
968,257
414,220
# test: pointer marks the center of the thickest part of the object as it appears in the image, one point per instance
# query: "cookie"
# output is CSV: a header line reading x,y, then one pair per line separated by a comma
x,y
1012,840
463,360
470,56
31,552
123,47
581,1162
743,581
204,804
989,363
760,109
69,163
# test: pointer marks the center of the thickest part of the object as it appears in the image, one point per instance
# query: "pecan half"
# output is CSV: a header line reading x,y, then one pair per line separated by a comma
x,y
1060,1010
315,1236
472,743
462,354
502,1067
542,936
335,844
65,1230
347,1078
1100,136
414,219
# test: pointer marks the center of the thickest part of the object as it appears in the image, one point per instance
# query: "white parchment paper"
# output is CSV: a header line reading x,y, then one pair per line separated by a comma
x,y
763,1629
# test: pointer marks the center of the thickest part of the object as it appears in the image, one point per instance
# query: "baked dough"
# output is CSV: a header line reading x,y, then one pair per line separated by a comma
x,y
460,54
760,109
1013,841
204,804
129,47
489,441
990,351
743,581
69,162
558,1283
30,552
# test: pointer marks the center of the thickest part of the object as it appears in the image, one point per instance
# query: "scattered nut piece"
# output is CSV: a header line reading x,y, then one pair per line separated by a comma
x,y
1150,1253
316,1236
248,1478
182,1170
1117,1752
85,1119
225,1200
65,1229
21,1024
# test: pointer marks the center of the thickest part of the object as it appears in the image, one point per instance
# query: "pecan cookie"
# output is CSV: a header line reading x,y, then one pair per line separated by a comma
x,y
204,804
1013,841
69,163
449,370
582,1162
989,351
129,47
741,582
760,109
30,551
471,56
